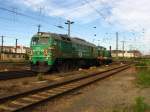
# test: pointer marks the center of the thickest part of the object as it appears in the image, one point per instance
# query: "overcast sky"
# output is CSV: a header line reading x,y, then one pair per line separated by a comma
x,y
19,19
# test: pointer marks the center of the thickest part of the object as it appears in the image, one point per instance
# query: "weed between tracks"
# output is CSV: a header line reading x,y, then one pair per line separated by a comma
x,y
143,77
143,62
40,77
140,105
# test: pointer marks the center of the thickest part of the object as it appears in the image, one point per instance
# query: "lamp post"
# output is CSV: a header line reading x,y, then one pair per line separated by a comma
x,y
69,24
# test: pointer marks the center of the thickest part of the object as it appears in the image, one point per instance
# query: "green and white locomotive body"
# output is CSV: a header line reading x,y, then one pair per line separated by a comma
x,y
60,52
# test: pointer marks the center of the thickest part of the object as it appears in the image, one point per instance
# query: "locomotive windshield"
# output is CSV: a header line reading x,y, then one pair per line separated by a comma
x,y
37,40
34,41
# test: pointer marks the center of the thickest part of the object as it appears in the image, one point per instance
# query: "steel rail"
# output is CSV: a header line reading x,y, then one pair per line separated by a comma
x,y
24,100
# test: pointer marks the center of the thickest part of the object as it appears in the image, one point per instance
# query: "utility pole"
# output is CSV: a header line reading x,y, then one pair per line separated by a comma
x,y
123,42
16,45
69,23
130,50
116,44
40,15
2,45
110,48
39,28
98,42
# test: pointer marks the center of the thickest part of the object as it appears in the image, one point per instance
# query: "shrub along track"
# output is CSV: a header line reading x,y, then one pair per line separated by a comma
x,y
27,99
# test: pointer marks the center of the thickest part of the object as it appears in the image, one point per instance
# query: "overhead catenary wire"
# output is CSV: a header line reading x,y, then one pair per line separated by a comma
x,y
18,13
98,12
27,16
41,19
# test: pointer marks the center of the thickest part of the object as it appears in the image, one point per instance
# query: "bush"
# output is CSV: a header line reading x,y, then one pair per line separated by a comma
x,y
143,78
140,105
40,77
26,57
141,64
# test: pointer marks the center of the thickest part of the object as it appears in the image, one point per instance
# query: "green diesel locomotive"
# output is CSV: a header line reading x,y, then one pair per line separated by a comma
x,y
104,55
57,51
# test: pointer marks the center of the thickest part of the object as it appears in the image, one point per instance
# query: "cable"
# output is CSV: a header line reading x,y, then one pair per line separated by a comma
x,y
98,12
18,13
22,14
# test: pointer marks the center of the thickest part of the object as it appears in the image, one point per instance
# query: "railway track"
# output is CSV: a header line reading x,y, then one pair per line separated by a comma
x,y
6,75
16,74
19,102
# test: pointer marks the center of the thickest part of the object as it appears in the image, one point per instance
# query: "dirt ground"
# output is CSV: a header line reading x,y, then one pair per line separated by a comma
x,y
114,94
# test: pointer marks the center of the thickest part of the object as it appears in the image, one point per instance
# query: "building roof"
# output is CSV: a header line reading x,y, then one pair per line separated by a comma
x,y
119,51
134,51
15,47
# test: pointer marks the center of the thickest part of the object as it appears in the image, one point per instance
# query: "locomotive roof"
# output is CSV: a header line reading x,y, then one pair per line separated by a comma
x,y
81,41
66,38
101,47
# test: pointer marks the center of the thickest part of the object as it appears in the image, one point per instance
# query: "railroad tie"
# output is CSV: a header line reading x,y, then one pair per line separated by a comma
x,y
70,86
30,99
39,96
6,108
51,92
46,94
19,103
59,90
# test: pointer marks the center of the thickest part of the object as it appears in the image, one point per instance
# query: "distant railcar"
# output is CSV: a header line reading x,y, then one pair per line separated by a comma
x,y
104,55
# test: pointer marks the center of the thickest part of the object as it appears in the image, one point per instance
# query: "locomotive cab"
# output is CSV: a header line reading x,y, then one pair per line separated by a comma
x,y
40,54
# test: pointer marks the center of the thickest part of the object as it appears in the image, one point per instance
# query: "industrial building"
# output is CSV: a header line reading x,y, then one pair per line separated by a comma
x,y
13,53
127,54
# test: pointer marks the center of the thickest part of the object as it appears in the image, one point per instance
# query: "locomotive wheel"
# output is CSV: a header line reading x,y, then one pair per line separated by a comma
x,y
40,69
71,65
63,67
75,66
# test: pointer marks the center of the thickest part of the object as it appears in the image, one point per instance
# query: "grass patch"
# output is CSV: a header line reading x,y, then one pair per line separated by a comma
x,y
143,78
140,105
40,77
143,62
